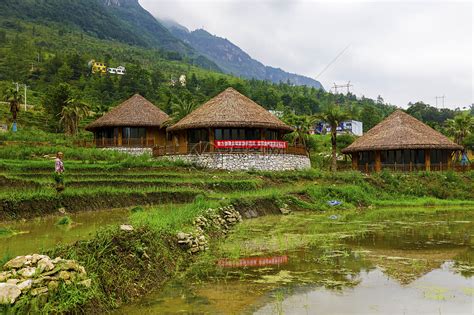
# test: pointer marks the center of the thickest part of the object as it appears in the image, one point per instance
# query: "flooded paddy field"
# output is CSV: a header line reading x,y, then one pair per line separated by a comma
x,y
332,263
30,236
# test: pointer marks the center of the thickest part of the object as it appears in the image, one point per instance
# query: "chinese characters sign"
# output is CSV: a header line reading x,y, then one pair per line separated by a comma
x,y
250,144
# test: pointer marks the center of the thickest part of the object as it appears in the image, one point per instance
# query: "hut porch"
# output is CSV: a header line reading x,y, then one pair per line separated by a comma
x,y
403,160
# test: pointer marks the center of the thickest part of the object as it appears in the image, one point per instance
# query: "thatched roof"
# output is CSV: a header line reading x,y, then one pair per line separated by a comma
x,y
230,109
401,131
134,112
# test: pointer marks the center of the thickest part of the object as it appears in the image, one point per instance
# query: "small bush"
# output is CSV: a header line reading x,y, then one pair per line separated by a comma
x,y
64,221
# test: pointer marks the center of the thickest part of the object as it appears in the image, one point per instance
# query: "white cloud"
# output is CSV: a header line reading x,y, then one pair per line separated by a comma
x,y
404,51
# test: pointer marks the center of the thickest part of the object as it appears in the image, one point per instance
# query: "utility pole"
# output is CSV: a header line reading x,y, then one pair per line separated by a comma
x,y
25,95
439,97
347,86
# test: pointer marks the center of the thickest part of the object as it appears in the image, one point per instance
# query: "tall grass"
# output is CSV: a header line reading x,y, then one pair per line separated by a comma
x,y
169,219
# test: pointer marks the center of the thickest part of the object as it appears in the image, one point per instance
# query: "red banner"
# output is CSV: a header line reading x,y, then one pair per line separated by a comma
x,y
250,144
252,262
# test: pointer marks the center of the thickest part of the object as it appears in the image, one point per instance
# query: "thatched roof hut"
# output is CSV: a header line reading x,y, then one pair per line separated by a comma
x,y
230,109
134,112
401,131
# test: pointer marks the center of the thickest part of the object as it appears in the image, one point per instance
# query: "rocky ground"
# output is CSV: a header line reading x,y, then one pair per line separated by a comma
x,y
38,275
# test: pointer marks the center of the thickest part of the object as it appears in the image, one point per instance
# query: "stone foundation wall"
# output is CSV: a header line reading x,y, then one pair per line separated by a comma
x,y
246,161
131,151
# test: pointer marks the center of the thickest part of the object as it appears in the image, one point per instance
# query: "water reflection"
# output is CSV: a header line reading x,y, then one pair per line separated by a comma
x,y
252,261
422,267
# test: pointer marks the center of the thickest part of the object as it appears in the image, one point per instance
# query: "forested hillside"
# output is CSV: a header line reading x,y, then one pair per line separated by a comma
x,y
51,58
232,59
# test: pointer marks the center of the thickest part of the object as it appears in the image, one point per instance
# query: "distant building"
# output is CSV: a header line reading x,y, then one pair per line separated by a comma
x,y
353,127
277,113
119,70
182,80
98,67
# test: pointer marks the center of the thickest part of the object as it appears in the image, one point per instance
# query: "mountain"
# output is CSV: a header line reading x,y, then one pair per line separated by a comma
x,y
233,60
121,20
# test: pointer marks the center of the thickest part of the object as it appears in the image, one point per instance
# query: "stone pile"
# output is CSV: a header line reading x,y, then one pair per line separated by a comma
x,y
38,275
219,220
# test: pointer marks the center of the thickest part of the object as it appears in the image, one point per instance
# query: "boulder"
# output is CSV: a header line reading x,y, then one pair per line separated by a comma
x,y
126,227
16,262
4,276
64,275
45,264
25,285
8,293
40,290
53,286
27,272
13,281
87,283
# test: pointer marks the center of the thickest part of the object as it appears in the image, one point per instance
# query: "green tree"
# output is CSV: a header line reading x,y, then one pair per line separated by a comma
x,y
71,115
55,99
180,108
302,125
334,116
14,99
460,127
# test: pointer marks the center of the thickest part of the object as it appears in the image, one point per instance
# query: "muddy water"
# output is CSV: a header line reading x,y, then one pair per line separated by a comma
x,y
420,265
37,235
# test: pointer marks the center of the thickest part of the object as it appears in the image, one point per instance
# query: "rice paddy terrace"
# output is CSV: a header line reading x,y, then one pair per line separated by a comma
x,y
159,200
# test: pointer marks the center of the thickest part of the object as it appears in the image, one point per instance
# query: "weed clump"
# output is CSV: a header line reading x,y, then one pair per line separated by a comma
x,y
64,221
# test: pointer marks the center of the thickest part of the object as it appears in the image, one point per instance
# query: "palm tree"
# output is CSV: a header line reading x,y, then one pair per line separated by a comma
x,y
71,114
334,116
180,108
14,98
302,126
460,128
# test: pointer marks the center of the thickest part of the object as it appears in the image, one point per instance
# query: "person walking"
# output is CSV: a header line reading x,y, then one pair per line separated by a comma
x,y
59,172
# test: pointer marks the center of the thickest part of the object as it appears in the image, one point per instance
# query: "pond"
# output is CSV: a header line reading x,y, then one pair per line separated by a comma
x,y
310,263
37,235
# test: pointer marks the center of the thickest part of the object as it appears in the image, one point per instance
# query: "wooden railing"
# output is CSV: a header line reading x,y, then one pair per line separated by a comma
x,y
207,147
113,142
414,167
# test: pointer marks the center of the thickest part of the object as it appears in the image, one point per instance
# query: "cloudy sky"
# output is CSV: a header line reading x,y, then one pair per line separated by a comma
x,y
402,50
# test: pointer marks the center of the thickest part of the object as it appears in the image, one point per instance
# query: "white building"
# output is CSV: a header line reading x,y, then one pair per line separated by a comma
x,y
353,127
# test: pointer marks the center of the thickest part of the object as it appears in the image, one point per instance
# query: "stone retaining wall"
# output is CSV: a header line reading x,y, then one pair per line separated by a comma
x,y
132,151
246,161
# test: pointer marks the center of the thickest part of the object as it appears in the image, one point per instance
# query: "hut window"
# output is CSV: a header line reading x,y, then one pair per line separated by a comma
x,y
235,134
420,157
105,133
133,132
226,134
218,134
271,135
252,134
439,156
390,157
197,135
406,156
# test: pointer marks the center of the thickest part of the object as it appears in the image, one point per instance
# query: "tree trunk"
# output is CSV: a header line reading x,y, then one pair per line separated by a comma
x,y
334,147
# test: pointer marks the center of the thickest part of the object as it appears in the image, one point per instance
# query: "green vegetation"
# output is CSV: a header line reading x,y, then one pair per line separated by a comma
x,y
123,265
64,221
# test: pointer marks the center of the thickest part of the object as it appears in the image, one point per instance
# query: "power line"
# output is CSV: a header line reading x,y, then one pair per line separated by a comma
x,y
333,61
